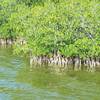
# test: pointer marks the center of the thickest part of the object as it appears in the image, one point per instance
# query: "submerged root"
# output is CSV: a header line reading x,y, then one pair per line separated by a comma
x,y
63,63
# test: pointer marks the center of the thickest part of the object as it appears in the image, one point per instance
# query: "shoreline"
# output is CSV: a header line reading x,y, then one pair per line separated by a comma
x,y
62,62
90,64
7,41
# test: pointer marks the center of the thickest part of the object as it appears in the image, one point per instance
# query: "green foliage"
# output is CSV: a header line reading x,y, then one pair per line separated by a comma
x,y
7,7
70,27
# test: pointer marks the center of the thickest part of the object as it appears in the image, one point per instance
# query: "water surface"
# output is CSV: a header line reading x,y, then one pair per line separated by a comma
x,y
19,82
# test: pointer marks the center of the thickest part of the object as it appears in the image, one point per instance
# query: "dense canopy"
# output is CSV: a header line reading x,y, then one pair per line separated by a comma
x,y
68,27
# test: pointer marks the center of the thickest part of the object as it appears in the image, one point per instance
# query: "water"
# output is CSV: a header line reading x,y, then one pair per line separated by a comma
x,y
19,82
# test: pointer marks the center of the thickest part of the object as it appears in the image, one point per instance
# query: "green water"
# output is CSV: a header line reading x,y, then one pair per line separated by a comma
x,y
19,82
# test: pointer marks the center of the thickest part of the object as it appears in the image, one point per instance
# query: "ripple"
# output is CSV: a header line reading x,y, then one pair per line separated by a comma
x,y
4,96
14,85
9,72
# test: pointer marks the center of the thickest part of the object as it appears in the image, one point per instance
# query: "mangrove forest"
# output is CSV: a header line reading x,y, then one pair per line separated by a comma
x,y
57,32
49,49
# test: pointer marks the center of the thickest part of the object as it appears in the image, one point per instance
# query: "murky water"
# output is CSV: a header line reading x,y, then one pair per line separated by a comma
x,y
19,82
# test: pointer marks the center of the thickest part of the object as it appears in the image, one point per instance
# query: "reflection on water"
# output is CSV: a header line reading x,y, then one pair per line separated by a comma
x,y
18,82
